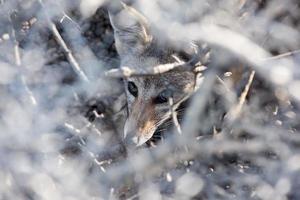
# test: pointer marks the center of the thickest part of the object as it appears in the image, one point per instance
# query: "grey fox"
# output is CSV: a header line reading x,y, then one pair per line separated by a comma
x,y
148,96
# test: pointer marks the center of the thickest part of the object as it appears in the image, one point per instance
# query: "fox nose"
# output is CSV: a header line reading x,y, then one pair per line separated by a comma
x,y
139,140
134,140
132,137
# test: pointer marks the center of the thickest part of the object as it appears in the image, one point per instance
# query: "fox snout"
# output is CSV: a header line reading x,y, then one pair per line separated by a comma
x,y
135,135
141,123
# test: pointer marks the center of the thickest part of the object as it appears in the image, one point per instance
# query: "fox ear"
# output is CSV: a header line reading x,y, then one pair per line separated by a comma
x,y
131,30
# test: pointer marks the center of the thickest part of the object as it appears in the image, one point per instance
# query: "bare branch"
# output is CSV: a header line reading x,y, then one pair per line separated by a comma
x,y
65,48
68,52
291,53
236,110
159,69
174,116
18,63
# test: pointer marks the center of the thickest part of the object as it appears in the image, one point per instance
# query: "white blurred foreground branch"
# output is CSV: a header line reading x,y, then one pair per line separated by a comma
x,y
64,46
68,52
65,147
19,63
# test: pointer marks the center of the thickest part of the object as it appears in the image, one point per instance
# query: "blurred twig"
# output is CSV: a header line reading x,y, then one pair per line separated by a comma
x,y
236,110
291,53
223,84
18,63
65,16
64,46
68,52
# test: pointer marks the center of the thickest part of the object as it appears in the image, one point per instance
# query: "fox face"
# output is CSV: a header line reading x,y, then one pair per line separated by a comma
x,y
148,96
148,102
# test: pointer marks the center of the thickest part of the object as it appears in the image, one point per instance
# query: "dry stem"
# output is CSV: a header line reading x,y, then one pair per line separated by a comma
x,y
65,48
159,69
18,63
236,110
174,116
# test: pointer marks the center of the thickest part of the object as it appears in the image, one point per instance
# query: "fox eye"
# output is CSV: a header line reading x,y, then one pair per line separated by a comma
x,y
163,97
132,89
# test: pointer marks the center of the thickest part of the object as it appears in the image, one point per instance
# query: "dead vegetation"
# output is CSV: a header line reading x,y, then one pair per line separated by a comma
x,y
63,106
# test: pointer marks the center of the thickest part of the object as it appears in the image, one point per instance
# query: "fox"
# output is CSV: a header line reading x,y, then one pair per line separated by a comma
x,y
139,47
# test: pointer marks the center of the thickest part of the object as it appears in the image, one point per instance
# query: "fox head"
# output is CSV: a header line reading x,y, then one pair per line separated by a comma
x,y
148,96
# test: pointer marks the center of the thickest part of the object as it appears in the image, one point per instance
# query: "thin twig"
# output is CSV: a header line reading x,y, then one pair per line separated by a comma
x,y
159,69
196,64
64,46
65,16
223,83
68,52
18,63
291,53
174,116
236,110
